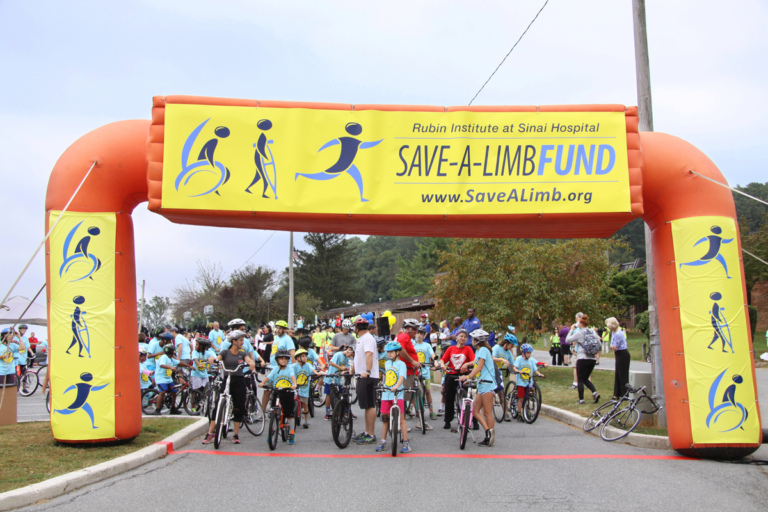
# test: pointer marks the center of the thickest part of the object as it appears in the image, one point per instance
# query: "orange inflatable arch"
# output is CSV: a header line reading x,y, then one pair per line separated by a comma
x,y
129,171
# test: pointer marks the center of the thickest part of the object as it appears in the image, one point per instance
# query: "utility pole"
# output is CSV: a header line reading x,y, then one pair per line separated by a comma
x,y
141,310
290,283
645,113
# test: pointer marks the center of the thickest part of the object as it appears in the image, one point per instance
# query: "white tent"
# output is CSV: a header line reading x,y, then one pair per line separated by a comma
x,y
12,311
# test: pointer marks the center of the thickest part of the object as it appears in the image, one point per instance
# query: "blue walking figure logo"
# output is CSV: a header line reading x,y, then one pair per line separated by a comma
x,y
264,160
713,253
345,163
84,390
728,404
80,335
80,253
206,161
719,324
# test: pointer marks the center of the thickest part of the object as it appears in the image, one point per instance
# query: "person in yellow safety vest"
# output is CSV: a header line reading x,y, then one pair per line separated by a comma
x,y
554,349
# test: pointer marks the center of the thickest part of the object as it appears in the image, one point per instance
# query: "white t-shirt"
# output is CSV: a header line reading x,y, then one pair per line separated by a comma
x,y
366,343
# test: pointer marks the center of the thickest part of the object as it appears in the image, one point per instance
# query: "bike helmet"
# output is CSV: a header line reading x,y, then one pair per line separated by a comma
x,y
142,351
23,326
281,323
392,346
510,338
511,328
5,331
203,342
361,323
282,353
169,350
410,322
422,329
235,335
297,353
380,342
526,347
346,324
479,335
235,322
166,336
305,342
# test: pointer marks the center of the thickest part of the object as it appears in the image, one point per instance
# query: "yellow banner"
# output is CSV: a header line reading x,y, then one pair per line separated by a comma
x,y
82,325
718,362
394,163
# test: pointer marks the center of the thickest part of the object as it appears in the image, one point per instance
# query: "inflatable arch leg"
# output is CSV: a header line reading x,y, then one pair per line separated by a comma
x,y
709,375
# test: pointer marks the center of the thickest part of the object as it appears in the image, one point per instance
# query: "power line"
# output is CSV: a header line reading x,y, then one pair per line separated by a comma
x,y
510,51
257,250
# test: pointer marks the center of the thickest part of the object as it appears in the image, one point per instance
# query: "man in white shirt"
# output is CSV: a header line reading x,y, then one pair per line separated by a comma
x,y
216,336
367,370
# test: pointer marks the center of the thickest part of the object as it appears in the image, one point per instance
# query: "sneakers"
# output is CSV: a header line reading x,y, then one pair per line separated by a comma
x,y
493,437
427,426
235,439
175,412
358,437
291,438
327,417
366,439
573,386
441,412
432,416
208,439
596,395
381,446
406,447
306,425
485,442
581,402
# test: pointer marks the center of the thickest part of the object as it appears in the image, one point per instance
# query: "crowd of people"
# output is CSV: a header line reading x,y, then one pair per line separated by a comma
x,y
18,351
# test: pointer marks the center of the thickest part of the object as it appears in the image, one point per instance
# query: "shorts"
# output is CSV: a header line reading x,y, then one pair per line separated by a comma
x,y
386,405
427,383
328,388
521,392
366,392
167,387
287,399
198,382
7,380
304,399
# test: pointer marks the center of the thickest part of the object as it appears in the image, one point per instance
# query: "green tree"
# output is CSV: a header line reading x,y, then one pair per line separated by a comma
x,y
328,272
156,312
415,275
376,259
751,214
201,291
244,296
634,236
630,287
754,269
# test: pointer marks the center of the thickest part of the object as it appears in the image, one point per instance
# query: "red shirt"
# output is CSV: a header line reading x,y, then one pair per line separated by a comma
x,y
407,344
454,357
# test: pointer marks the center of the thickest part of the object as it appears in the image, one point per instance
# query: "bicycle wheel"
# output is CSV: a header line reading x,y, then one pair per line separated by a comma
x,y
283,428
296,414
512,405
353,391
221,423
334,395
254,416
311,407
378,402
419,403
149,401
47,397
466,419
395,430
318,396
28,383
597,415
274,426
499,406
531,408
537,390
622,422
341,425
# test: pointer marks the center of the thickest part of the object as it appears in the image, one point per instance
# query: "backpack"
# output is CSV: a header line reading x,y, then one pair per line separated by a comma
x,y
592,344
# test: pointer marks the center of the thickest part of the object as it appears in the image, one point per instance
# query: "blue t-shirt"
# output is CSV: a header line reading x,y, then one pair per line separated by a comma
x,y
382,362
154,348
145,379
164,375
488,373
43,345
526,369
7,364
184,343
338,359
23,353
303,373
281,377
142,345
14,346
393,370
500,353
283,341
312,357
425,354
217,338
201,367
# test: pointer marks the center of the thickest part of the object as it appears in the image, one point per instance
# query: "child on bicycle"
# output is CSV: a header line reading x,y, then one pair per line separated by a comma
x,y
426,354
486,385
394,378
145,374
339,363
165,370
283,380
201,361
303,371
525,366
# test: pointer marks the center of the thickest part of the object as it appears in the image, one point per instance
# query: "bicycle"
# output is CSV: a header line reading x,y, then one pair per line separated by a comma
x,y
500,401
394,420
466,410
531,405
342,419
224,407
277,423
27,383
417,402
253,419
624,420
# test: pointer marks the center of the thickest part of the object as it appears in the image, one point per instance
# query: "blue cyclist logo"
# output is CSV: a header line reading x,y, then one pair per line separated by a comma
x,y
264,159
346,161
84,390
79,254
728,412
80,335
713,252
206,162
722,331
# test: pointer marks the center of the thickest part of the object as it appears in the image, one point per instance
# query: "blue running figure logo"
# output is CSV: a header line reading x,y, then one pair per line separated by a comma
x,y
80,253
206,162
345,163
719,323
80,335
84,390
727,404
263,161
713,253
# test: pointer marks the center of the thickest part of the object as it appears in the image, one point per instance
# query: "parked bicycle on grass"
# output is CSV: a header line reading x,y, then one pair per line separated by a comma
x,y
617,418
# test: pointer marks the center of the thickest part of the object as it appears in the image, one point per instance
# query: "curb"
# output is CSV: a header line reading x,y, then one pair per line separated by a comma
x,y
69,482
574,420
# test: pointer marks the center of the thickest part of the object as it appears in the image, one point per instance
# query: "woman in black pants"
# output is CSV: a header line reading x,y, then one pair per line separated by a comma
x,y
619,347
585,363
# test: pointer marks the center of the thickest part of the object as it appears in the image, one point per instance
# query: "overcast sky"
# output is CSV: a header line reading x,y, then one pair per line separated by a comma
x,y
70,67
